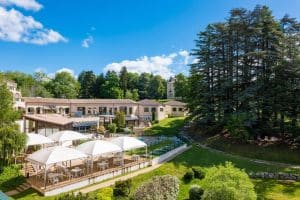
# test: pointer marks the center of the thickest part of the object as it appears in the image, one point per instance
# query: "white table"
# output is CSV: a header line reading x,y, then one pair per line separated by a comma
x,y
118,161
54,177
102,165
135,157
76,171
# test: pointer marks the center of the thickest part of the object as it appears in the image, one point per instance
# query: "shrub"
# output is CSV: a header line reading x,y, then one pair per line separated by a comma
x,y
226,182
188,176
195,192
120,119
122,188
159,187
236,126
105,194
112,128
10,178
198,172
101,130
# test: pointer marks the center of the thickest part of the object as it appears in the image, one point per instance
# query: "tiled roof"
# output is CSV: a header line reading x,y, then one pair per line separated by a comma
x,y
87,101
175,103
149,102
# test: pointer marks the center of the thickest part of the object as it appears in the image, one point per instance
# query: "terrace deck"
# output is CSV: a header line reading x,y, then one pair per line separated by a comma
x,y
38,183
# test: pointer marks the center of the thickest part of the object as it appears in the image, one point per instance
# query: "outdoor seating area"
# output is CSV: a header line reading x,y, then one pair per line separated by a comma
x,y
60,165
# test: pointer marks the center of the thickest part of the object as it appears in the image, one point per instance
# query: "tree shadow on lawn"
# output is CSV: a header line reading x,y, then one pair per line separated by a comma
x,y
29,194
262,187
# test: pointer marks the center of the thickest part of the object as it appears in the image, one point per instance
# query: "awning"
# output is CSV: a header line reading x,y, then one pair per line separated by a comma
x,y
63,136
98,147
37,139
128,143
52,155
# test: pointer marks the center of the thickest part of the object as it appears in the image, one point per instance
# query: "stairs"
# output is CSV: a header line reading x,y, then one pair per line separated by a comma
x,y
29,169
19,189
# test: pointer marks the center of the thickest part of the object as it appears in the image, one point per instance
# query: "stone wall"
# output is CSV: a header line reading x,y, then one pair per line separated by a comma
x,y
275,175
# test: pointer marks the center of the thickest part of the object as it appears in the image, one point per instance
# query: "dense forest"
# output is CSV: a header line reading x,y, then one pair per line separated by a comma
x,y
89,85
247,78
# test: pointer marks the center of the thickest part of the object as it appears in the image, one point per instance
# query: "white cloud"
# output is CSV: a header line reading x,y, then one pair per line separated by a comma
x,y
159,65
26,4
87,42
186,56
65,69
16,27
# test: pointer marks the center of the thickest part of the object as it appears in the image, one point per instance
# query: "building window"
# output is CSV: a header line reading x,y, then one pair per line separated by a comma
x,y
161,109
174,109
102,110
146,109
130,110
153,109
123,109
180,109
67,110
81,109
110,111
115,110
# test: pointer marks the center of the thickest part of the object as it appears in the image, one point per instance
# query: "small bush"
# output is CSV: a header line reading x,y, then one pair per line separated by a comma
x,y
10,178
122,188
195,192
101,130
112,128
105,194
227,182
159,187
198,172
189,175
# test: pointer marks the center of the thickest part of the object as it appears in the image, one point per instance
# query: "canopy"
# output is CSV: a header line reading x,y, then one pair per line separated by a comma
x,y
37,139
98,147
63,136
128,143
52,155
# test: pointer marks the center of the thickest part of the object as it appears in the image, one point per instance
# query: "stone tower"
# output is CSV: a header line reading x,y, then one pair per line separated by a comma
x,y
170,88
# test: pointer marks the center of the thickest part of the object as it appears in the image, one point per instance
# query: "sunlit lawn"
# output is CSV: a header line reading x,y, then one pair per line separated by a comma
x,y
167,127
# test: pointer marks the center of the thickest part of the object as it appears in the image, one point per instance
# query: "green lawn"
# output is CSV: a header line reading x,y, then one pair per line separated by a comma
x,y
167,127
277,153
268,189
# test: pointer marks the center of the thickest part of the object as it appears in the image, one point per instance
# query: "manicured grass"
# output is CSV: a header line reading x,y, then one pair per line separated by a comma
x,y
277,153
10,178
205,158
167,127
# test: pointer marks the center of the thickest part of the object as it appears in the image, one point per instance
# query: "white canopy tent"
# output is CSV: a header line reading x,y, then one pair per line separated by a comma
x,y
68,135
37,139
128,143
98,147
52,155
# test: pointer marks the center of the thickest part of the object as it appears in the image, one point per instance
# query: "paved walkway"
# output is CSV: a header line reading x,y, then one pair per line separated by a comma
x,y
128,176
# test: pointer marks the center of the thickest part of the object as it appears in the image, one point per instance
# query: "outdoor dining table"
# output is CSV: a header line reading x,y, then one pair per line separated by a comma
x,y
118,161
76,171
54,177
135,157
102,165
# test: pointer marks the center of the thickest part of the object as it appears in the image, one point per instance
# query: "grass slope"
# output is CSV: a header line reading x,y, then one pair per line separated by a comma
x,y
167,127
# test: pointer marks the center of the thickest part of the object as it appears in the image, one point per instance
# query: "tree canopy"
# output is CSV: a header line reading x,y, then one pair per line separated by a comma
x,y
248,64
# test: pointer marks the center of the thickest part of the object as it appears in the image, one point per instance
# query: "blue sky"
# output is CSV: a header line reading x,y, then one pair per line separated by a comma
x,y
145,35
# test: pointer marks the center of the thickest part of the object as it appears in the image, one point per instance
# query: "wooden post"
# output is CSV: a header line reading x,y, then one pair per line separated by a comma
x,y
45,177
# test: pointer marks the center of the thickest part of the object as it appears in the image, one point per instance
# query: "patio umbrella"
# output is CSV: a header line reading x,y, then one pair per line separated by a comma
x,y
68,135
98,147
128,143
37,139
